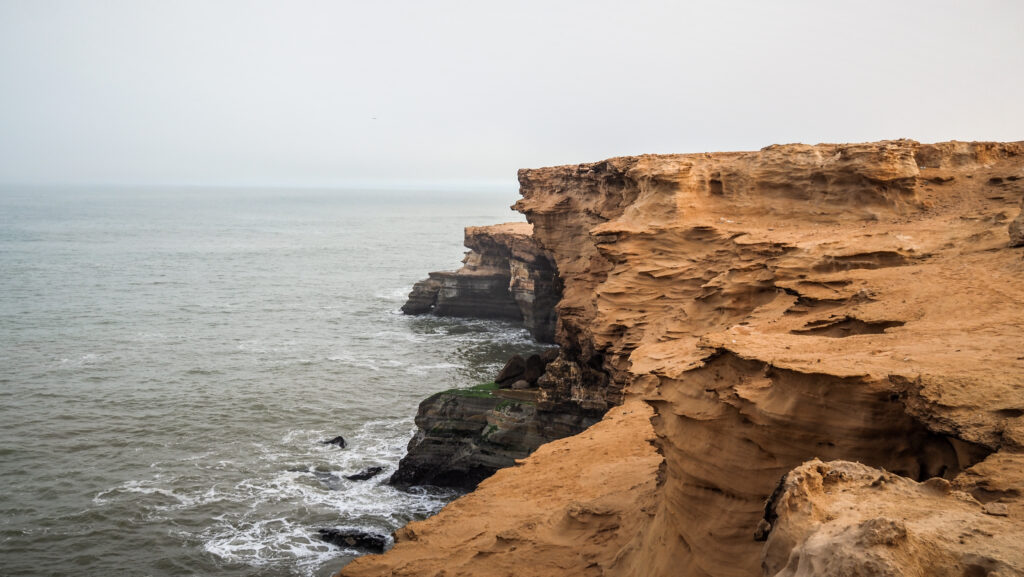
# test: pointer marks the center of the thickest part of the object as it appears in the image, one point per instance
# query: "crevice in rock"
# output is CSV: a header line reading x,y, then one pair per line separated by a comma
x,y
867,260
846,326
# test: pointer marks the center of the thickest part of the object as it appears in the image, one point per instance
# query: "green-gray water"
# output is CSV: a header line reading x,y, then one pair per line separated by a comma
x,y
171,360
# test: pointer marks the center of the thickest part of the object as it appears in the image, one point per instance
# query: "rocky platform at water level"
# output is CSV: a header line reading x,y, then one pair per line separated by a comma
x,y
751,312
464,435
505,275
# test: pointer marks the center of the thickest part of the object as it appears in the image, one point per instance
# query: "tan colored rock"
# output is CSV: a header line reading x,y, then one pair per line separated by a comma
x,y
841,518
567,509
833,302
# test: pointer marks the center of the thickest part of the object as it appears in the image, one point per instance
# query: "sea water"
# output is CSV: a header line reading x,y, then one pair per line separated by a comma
x,y
170,361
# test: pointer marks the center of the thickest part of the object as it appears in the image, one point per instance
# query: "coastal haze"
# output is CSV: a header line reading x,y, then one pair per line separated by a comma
x,y
173,359
211,212
325,93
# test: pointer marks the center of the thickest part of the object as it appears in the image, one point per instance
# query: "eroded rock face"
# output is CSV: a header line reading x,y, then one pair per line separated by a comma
x,y
775,306
843,518
505,275
839,302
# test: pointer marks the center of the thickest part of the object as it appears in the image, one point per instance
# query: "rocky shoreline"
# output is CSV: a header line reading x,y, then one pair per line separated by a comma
x,y
845,318
465,435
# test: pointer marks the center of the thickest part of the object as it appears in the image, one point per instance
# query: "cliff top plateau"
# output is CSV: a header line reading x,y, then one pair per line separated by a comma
x,y
810,360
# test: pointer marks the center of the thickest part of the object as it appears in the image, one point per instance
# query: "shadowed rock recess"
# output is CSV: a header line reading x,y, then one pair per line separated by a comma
x,y
810,359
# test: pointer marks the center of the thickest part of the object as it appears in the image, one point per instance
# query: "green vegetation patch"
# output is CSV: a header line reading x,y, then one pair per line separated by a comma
x,y
491,429
481,391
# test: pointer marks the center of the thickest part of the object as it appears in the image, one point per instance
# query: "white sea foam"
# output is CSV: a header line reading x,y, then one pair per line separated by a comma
x,y
393,294
250,527
196,401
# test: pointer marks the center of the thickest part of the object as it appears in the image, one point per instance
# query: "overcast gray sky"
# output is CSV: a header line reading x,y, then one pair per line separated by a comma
x,y
322,93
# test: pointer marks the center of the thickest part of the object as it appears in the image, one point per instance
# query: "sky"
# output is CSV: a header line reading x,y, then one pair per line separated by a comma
x,y
337,93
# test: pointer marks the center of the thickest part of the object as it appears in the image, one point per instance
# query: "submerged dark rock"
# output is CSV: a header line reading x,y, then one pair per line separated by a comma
x,y
354,539
339,441
367,473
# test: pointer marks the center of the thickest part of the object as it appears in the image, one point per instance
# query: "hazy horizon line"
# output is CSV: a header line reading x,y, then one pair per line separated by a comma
x,y
369,184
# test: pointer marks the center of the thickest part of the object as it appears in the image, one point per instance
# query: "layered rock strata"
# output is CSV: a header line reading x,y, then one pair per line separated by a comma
x,y
505,275
836,302
464,435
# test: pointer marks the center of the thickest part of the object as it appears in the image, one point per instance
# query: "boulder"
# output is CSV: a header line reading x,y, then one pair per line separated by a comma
x,y
354,539
534,369
339,441
511,372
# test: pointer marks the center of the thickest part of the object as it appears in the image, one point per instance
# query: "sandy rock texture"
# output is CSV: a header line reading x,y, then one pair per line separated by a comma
x,y
1017,228
570,508
505,275
843,518
856,302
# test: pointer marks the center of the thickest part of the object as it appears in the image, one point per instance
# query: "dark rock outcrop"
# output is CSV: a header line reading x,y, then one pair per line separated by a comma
x,y
354,539
367,473
465,435
511,372
505,275
338,441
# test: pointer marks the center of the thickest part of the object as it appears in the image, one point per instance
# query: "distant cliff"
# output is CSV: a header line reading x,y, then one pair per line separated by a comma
x,y
505,275
812,363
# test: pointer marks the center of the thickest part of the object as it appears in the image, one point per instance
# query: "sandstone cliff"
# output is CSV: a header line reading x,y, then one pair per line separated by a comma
x,y
505,275
752,312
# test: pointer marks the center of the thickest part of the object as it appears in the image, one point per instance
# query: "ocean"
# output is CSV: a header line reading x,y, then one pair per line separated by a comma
x,y
171,359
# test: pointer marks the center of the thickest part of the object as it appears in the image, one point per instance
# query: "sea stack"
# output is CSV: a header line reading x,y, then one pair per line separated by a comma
x,y
505,275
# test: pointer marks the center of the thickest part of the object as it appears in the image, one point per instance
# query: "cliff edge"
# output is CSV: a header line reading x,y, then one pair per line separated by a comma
x,y
816,359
